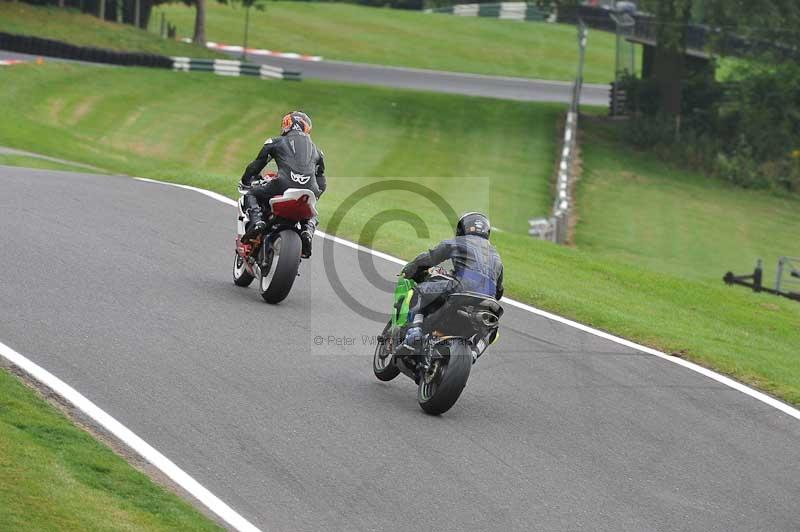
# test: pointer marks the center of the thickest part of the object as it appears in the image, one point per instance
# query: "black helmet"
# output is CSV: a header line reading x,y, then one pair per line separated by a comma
x,y
473,223
296,121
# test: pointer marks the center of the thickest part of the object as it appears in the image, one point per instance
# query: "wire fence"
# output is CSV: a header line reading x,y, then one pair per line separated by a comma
x,y
787,278
556,227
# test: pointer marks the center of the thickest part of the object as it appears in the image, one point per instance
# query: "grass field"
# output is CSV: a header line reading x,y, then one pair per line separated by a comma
x,y
55,476
72,26
108,120
409,39
112,117
345,32
638,209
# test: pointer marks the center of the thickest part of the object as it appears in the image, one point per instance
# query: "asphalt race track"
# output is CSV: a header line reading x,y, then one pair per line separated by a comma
x,y
122,289
508,88
429,80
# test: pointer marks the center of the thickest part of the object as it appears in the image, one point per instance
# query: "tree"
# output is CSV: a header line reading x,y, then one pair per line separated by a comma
x,y
672,19
259,6
199,37
764,23
745,128
758,27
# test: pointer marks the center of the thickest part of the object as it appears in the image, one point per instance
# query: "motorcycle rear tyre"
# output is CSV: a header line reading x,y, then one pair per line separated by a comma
x,y
440,396
278,272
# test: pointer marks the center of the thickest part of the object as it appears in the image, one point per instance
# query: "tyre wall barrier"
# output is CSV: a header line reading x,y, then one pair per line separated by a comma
x,y
48,47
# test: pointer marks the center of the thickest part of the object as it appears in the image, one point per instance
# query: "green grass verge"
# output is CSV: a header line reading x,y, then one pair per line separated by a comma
x,y
210,127
36,162
55,476
72,26
408,38
641,210
108,120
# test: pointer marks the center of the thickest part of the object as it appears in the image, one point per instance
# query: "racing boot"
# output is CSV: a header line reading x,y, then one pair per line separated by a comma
x,y
307,237
256,224
413,335
254,230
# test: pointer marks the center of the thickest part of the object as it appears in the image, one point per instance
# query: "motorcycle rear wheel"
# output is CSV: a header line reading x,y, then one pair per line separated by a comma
x,y
439,390
278,266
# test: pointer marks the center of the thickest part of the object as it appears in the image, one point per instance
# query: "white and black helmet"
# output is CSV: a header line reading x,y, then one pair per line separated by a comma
x,y
473,223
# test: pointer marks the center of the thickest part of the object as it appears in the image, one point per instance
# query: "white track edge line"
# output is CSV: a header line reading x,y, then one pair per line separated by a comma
x,y
124,434
722,379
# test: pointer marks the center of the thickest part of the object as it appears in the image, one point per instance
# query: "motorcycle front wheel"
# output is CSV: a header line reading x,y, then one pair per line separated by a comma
x,y
241,277
278,265
441,386
382,363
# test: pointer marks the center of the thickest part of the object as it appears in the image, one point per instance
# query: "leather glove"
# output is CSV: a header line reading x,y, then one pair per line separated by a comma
x,y
409,270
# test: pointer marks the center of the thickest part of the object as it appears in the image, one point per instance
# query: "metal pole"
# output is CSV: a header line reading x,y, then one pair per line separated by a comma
x,y
779,275
163,30
246,25
136,14
582,34
618,61
758,276
102,13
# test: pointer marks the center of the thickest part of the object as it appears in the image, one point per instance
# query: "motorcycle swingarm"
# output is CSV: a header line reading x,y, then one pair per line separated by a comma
x,y
405,369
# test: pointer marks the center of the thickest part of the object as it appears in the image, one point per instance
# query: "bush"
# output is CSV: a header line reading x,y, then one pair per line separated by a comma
x,y
746,131
739,167
764,106
649,132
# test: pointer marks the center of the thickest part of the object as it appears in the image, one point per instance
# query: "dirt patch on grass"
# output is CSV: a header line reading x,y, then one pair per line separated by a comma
x,y
132,118
82,109
232,154
54,109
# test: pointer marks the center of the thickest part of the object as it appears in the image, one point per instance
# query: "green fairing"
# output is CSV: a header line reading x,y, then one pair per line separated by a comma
x,y
402,299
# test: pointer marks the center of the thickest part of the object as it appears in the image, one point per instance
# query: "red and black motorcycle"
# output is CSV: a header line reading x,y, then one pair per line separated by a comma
x,y
273,257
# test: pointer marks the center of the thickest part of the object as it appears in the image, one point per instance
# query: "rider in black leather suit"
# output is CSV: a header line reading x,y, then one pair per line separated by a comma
x,y
300,165
476,267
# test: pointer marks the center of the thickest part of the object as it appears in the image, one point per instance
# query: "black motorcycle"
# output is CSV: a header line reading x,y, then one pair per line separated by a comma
x,y
455,335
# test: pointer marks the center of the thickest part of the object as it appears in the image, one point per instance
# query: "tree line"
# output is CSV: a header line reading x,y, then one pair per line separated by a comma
x,y
738,119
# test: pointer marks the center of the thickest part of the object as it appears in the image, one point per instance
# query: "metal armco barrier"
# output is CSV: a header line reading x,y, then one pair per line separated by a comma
x,y
230,67
556,228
